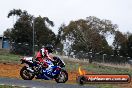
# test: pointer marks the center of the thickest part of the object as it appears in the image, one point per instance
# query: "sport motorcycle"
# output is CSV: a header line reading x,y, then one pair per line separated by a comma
x,y
33,69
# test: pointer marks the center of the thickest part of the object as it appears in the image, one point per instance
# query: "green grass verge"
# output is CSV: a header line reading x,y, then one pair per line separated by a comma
x,y
9,57
97,69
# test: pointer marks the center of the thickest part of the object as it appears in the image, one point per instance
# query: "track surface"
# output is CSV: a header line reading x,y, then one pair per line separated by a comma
x,y
37,84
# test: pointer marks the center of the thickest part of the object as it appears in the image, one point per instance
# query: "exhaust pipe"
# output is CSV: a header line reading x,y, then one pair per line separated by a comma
x,y
30,70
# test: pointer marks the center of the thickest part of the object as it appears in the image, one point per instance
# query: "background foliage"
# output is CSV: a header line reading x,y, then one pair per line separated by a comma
x,y
82,36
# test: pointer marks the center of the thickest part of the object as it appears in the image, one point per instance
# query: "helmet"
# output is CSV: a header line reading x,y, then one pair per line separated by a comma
x,y
49,48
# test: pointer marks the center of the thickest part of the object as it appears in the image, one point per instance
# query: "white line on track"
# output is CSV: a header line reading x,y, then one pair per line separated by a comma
x,y
15,86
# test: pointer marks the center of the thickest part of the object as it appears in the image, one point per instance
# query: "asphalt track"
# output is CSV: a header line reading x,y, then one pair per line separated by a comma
x,y
38,84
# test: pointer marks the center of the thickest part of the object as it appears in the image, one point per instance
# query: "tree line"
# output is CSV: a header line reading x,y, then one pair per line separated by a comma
x,y
22,31
87,35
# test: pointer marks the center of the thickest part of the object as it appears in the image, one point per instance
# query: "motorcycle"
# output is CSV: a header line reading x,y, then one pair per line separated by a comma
x,y
56,70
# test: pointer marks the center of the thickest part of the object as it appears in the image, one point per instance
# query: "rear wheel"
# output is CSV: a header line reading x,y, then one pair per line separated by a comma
x,y
62,77
26,74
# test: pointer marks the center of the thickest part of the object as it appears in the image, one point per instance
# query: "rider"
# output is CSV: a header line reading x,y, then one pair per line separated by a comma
x,y
45,53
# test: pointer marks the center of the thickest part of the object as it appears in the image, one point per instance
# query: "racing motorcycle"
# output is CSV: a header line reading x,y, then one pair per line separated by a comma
x,y
56,70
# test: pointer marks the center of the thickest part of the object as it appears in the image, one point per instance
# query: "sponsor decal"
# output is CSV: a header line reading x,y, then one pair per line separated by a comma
x,y
102,78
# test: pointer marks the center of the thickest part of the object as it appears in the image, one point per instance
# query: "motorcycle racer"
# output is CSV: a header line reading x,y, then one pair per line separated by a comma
x,y
45,53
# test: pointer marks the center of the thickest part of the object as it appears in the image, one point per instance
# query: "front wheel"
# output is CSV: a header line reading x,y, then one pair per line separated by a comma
x,y
26,74
62,77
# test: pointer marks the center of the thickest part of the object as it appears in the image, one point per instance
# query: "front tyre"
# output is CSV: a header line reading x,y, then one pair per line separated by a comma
x,y
26,74
62,78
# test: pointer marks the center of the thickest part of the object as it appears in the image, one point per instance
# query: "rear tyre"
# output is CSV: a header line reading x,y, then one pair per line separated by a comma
x,y
26,74
62,78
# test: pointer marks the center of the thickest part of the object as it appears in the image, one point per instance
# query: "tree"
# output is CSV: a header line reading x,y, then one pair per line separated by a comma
x,y
14,12
129,46
120,43
22,31
7,33
103,27
44,35
88,35
59,39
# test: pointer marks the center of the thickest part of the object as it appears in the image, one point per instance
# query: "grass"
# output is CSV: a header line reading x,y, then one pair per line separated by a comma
x,y
96,68
7,57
